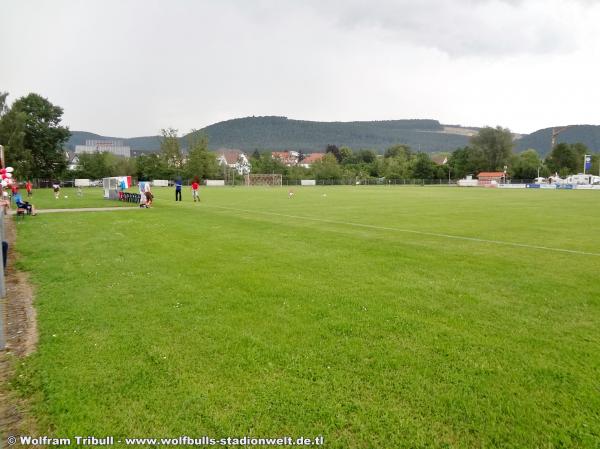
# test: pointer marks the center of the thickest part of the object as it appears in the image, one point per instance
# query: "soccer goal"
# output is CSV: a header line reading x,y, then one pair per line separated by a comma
x,y
263,180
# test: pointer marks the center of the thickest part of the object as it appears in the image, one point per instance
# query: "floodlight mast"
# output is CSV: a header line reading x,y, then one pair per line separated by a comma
x,y
555,132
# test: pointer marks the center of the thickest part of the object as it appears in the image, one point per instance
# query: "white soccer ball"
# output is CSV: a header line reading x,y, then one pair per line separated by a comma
x,y
66,196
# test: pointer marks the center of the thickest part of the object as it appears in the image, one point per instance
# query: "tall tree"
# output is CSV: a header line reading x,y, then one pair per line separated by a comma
x,y
333,149
466,161
171,152
496,144
200,161
267,164
423,166
3,105
12,136
399,151
346,155
526,165
151,166
567,159
394,168
91,165
327,168
34,139
366,156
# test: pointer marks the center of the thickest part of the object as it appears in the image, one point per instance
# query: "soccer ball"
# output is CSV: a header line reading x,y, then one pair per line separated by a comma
x,y
66,196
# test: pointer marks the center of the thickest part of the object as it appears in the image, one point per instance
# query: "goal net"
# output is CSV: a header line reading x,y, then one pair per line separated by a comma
x,y
263,180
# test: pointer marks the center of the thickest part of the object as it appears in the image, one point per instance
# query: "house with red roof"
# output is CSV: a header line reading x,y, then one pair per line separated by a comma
x,y
310,159
235,159
287,158
488,177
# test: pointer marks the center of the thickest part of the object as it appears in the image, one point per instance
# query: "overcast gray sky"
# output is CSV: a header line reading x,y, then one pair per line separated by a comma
x,y
131,67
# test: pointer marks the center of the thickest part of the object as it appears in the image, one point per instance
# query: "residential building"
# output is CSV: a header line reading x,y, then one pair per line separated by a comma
x,y
235,159
310,159
72,160
287,158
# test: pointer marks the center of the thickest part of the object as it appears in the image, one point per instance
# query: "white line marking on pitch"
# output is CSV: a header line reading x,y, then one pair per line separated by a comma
x,y
412,231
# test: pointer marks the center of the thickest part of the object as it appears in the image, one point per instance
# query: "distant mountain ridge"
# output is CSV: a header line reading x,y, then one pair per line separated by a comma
x,y
540,140
272,133
281,133
141,144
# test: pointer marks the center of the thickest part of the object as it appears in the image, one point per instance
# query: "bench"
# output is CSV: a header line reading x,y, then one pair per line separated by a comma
x,y
21,213
129,197
133,198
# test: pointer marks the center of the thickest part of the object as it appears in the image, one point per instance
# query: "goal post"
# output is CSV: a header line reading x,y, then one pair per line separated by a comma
x,y
264,180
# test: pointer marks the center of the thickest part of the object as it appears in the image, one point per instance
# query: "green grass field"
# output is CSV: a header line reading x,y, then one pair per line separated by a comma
x,y
69,199
377,317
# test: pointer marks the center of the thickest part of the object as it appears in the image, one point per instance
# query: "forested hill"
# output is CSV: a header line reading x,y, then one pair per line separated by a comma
x,y
540,140
280,133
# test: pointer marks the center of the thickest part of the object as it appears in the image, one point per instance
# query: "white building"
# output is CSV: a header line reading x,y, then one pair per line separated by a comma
x,y
235,159
72,161
115,147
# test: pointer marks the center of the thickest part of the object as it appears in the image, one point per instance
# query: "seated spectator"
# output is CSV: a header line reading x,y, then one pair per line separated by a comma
x,y
5,205
30,208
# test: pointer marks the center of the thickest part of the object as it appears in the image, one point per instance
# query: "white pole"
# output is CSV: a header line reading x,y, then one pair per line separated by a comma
x,y
2,288
2,284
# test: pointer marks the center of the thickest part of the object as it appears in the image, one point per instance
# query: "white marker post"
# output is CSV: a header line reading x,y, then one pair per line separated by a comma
x,y
2,284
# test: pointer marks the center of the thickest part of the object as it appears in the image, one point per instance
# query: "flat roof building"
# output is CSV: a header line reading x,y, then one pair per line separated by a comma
x,y
101,146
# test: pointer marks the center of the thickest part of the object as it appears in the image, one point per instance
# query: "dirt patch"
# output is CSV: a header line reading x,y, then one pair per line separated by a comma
x,y
21,339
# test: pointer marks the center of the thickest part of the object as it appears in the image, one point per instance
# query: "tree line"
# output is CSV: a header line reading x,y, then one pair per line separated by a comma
x,y
492,149
34,140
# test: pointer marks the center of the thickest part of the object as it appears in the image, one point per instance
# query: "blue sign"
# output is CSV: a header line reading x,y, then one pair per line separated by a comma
x,y
588,162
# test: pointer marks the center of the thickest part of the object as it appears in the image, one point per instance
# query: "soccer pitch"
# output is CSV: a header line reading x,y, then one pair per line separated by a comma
x,y
399,317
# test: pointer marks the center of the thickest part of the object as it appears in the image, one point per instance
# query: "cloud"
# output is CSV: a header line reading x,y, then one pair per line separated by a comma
x,y
131,68
462,28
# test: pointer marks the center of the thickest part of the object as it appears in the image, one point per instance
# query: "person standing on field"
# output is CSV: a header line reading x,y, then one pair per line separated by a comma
x,y
178,184
29,188
195,187
14,188
56,188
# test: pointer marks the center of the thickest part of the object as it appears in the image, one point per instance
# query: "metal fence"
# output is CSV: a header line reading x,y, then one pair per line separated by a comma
x,y
286,181
390,182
